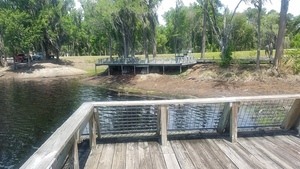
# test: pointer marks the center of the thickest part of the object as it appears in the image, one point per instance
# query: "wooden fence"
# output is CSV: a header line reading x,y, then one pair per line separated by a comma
x,y
63,143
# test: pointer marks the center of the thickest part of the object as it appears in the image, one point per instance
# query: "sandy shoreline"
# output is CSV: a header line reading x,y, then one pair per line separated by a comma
x,y
199,81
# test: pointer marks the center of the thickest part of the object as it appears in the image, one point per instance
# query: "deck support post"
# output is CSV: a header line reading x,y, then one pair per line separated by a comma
x,y
92,131
180,69
233,121
134,70
163,125
97,122
292,118
108,72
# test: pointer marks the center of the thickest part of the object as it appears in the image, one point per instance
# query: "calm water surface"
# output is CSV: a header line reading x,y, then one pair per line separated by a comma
x,y
30,112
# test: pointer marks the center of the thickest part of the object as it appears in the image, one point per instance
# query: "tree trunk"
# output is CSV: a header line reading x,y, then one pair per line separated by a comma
x,y
204,30
145,39
153,35
258,34
281,33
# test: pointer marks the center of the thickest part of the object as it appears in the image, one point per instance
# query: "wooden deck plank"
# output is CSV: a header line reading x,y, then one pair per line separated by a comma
x,y
247,155
182,155
269,153
235,157
157,157
145,161
286,144
221,157
94,157
106,159
196,153
249,152
295,139
292,156
132,156
119,159
169,156
265,160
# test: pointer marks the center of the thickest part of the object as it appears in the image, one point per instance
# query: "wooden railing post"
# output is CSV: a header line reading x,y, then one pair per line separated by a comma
x,y
163,125
74,152
293,116
224,119
233,121
92,131
96,114
158,121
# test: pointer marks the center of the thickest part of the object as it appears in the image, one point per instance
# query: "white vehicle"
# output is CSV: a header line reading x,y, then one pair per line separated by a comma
x,y
37,56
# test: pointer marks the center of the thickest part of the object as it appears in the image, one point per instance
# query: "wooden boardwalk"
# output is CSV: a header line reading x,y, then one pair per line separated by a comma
x,y
279,151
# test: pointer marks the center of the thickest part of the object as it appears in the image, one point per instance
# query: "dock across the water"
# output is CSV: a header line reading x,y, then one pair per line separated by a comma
x,y
230,132
134,65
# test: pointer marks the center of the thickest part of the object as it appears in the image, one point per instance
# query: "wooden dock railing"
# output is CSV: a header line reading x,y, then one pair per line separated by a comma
x,y
265,111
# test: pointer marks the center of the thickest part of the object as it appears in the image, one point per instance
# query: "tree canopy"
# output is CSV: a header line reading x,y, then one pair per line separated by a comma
x,y
129,27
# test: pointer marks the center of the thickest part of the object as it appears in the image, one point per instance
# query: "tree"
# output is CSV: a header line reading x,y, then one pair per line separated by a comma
x,y
258,4
222,35
281,33
205,5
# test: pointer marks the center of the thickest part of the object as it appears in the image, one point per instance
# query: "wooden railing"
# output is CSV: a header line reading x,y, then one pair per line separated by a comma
x,y
63,143
137,61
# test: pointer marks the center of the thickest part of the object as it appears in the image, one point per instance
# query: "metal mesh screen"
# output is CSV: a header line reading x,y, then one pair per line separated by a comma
x,y
194,117
185,118
128,119
263,113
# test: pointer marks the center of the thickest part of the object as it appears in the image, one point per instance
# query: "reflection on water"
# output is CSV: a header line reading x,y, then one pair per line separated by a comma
x,y
30,112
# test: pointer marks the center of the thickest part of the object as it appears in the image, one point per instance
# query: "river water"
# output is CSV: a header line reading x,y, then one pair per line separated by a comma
x,y
30,111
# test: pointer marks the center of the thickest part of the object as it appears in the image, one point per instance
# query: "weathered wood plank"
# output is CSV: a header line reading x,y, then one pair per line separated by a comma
x,y
233,122
74,158
92,131
224,118
269,152
293,116
195,151
47,154
262,158
182,155
94,157
163,124
197,101
279,148
247,155
132,156
145,161
106,158
169,156
285,143
96,114
157,157
236,158
221,157
119,159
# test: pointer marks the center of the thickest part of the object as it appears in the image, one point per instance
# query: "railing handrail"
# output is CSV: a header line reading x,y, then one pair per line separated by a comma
x,y
53,152
197,101
47,155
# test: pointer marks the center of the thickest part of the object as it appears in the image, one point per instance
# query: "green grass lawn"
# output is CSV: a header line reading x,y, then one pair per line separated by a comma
x,y
208,55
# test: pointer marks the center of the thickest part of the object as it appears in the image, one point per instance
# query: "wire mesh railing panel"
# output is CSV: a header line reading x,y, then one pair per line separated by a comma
x,y
194,117
263,113
127,119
